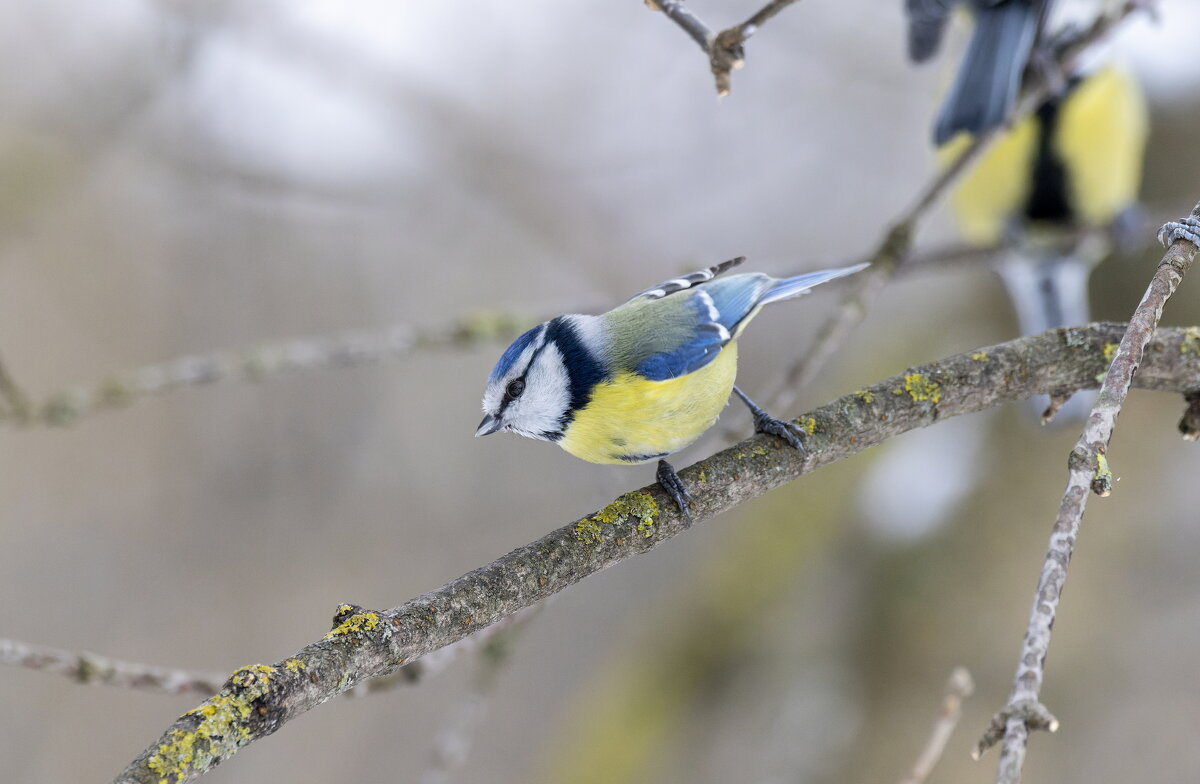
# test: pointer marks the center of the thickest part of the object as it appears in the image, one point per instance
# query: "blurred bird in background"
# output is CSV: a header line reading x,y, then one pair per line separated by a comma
x,y
1073,164
989,77
645,379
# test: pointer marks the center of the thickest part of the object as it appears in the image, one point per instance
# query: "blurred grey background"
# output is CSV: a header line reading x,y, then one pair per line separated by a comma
x,y
180,176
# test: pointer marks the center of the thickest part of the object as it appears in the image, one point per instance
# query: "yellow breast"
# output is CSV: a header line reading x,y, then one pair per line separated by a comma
x,y
632,420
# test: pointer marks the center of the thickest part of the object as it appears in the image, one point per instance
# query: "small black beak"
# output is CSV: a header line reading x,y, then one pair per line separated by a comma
x,y
490,424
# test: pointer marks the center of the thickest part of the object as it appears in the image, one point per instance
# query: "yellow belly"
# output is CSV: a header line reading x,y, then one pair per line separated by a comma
x,y
632,420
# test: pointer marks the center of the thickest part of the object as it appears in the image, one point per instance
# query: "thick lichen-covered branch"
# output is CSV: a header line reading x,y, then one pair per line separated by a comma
x,y
1088,472
258,700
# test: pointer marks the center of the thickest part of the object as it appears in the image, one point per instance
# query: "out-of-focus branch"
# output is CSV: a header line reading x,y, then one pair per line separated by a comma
x,y
452,745
894,250
90,668
17,406
726,51
1088,473
93,669
958,687
258,700
255,364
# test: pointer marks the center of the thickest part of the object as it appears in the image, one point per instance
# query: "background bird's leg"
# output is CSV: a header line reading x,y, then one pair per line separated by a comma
x,y
673,486
765,423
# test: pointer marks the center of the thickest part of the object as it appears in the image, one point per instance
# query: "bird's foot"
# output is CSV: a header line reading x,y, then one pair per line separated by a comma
x,y
788,431
673,485
1185,229
781,428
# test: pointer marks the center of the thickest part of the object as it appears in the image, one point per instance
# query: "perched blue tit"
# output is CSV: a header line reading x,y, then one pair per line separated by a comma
x,y
989,77
1075,163
643,380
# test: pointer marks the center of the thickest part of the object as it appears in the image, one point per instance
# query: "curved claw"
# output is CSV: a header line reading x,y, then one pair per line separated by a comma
x,y
1186,229
788,431
673,485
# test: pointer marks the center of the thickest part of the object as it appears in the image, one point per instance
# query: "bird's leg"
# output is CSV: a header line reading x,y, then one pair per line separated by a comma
x,y
1185,229
765,423
673,486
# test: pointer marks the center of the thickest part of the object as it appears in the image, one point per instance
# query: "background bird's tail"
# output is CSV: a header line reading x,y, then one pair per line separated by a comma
x,y
990,75
1049,292
786,288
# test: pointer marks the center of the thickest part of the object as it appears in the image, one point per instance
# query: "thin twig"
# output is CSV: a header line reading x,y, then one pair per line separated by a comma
x,y
258,700
725,49
1088,472
259,363
959,686
18,404
893,251
96,670
90,668
452,745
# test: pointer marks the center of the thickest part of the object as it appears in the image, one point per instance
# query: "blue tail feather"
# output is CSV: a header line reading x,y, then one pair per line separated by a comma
x,y
786,288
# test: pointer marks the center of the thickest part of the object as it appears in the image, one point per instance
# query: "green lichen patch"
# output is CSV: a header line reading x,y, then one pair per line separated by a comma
x,y
637,509
294,666
1191,341
865,395
1110,351
921,388
808,425
588,530
1102,480
355,624
222,725
980,356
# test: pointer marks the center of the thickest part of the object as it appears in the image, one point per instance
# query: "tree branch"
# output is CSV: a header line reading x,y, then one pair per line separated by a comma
x,y
90,668
1088,471
93,669
259,699
959,686
255,364
725,49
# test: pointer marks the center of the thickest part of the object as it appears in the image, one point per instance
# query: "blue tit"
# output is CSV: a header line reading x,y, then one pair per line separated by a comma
x,y
643,380
989,77
1075,163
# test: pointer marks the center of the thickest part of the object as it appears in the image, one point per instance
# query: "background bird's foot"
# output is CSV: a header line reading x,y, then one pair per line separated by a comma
x,y
1186,229
673,485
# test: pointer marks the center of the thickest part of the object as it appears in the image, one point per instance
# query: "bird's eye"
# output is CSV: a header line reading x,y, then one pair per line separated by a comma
x,y
515,388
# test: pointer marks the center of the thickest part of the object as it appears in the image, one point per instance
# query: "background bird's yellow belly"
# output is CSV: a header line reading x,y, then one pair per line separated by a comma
x,y
632,420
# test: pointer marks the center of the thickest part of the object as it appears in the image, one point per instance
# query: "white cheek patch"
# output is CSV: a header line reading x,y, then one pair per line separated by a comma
x,y
547,397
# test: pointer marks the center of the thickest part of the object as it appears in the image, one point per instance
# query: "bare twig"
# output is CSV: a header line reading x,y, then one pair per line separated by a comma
x,y
258,700
93,669
893,250
1088,472
256,364
725,49
18,404
958,687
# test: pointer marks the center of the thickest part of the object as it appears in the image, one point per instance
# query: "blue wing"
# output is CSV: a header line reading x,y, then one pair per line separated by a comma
x,y
703,323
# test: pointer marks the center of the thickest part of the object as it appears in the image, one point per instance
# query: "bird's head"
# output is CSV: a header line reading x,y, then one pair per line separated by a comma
x,y
529,389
